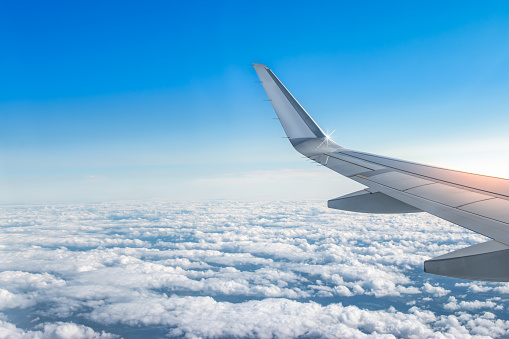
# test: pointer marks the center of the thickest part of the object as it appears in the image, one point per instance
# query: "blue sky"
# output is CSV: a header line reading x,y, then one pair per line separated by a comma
x,y
130,100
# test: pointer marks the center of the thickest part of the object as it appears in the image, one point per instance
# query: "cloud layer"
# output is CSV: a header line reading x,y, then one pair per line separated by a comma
x,y
222,269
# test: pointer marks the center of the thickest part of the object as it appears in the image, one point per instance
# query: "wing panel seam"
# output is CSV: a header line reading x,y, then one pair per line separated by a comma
x,y
349,162
406,189
437,202
473,202
472,189
418,164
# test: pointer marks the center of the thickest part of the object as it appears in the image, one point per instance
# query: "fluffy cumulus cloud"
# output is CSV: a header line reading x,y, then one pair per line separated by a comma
x,y
231,269
435,290
52,331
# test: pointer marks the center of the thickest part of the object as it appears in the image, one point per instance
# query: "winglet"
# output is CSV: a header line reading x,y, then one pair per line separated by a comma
x,y
295,120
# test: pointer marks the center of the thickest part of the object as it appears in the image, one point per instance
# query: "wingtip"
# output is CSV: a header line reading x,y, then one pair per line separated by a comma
x,y
259,65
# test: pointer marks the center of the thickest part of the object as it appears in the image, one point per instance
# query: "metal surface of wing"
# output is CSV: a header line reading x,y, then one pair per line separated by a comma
x,y
476,202
365,201
484,261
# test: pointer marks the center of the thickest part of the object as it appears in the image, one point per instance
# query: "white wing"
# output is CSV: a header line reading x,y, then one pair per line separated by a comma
x,y
477,202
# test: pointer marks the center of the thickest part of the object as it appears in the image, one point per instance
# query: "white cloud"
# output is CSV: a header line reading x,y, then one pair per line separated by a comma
x,y
204,317
58,330
503,288
475,286
435,290
453,304
233,269
11,300
23,281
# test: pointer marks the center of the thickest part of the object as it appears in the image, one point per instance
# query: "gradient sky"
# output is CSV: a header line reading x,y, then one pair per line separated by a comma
x,y
157,100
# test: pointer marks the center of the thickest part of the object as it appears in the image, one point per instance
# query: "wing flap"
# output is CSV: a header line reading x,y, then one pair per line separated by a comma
x,y
485,261
370,202
497,209
489,227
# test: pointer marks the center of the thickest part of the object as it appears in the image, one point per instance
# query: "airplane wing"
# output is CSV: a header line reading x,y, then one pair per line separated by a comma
x,y
477,202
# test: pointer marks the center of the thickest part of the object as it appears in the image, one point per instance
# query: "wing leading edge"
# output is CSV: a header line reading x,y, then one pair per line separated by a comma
x,y
476,202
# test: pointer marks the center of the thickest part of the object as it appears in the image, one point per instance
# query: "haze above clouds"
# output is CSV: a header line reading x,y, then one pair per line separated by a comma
x,y
222,269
